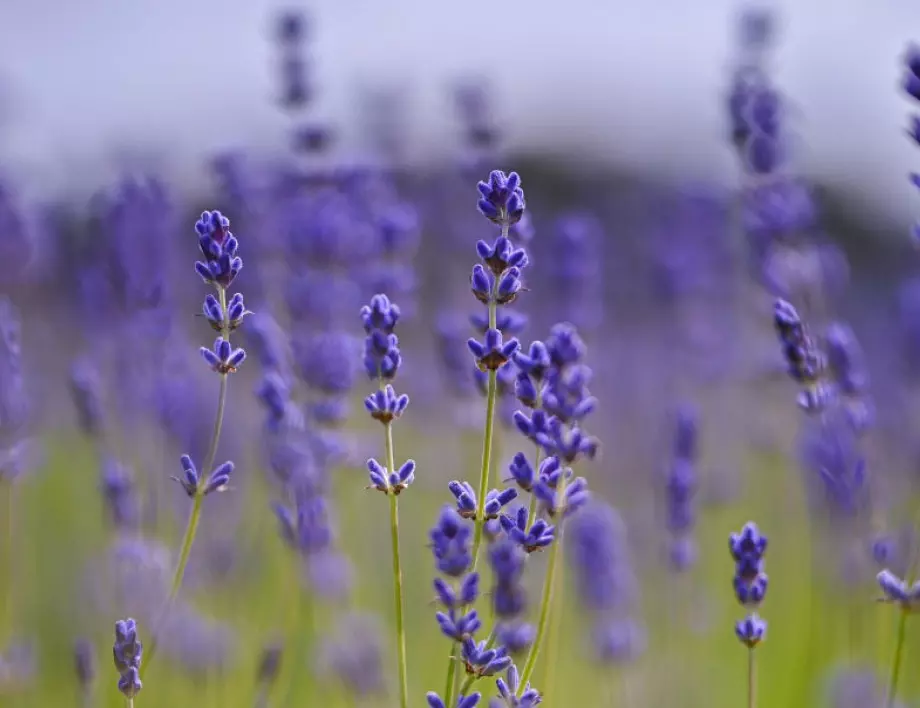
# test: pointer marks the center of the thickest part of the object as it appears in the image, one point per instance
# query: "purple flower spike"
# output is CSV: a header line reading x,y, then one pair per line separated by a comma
x,y
190,478
480,661
219,247
470,701
390,483
535,363
469,591
897,591
219,479
481,284
508,690
522,472
380,314
750,582
912,77
223,358
751,630
506,321
458,627
215,316
536,538
534,427
501,198
501,255
127,652
493,353
385,405
466,498
450,543
496,500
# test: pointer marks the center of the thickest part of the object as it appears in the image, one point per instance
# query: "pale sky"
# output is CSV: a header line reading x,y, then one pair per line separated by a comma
x,y
640,82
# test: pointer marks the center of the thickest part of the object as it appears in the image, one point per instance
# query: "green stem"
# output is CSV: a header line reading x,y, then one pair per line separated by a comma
x,y
6,487
545,603
552,639
532,511
451,673
397,577
468,683
896,662
191,528
130,702
486,466
752,679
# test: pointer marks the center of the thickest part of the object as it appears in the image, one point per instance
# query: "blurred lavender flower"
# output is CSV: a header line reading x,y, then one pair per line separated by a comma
x,y
17,666
16,238
680,490
85,667
355,655
750,582
607,588
85,388
128,651
830,452
575,271
805,360
119,495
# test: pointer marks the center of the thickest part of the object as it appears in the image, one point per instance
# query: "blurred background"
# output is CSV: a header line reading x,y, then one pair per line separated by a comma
x,y
683,166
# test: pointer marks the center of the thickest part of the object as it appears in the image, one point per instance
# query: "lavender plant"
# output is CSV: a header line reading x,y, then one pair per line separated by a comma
x,y
904,592
382,359
747,548
128,652
225,314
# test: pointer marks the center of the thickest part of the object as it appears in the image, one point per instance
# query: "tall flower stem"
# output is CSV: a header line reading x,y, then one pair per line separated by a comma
x,y
552,639
191,529
397,576
6,488
896,662
545,602
752,679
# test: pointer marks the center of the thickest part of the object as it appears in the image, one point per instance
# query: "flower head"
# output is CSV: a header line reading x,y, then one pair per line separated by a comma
x,y
501,199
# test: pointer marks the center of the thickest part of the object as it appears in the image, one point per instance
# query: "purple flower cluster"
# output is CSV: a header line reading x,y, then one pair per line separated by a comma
x,y
128,651
912,88
805,361
750,582
681,489
605,581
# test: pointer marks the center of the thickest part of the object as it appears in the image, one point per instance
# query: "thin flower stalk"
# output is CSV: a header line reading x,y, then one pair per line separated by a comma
x,y
382,359
219,268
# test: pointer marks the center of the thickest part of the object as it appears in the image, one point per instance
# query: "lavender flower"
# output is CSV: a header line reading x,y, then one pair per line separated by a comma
x,y
805,361
510,687
128,651
899,592
680,490
85,388
750,582
84,664
470,701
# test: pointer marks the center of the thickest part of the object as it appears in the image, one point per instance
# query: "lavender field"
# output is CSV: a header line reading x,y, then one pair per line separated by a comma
x,y
496,429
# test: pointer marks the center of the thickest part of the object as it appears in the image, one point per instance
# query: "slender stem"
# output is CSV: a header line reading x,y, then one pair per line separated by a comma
x,y
532,511
486,466
6,487
896,662
545,604
397,576
552,639
130,702
191,528
752,679
451,673
490,642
